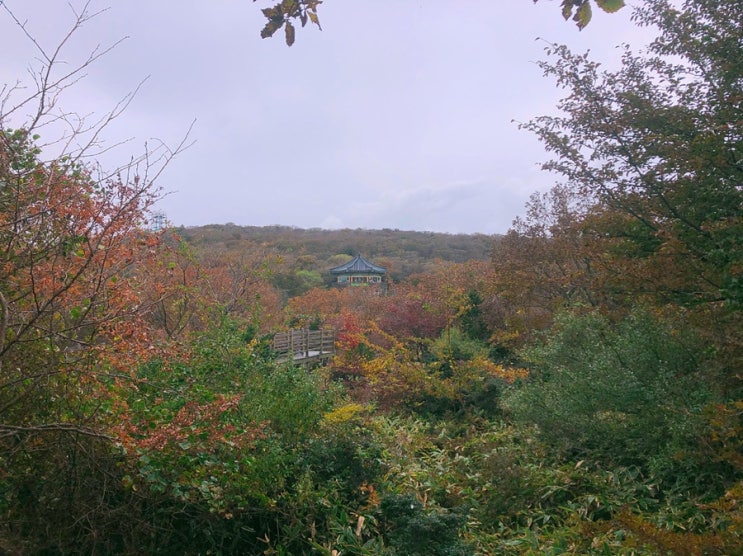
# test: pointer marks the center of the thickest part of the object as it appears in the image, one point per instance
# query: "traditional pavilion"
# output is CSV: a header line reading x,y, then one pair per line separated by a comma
x,y
358,271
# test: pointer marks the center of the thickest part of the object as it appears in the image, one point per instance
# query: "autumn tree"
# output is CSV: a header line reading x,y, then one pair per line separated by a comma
x,y
320,306
653,151
187,290
545,262
72,235
659,142
541,262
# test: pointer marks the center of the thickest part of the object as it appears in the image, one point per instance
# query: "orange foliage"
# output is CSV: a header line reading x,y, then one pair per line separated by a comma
x,y
195,425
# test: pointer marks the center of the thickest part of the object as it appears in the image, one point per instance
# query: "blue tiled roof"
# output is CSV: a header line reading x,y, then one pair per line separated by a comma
x,y
358,264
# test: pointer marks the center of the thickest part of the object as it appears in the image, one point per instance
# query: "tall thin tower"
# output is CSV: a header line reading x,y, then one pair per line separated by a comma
x,y
158,222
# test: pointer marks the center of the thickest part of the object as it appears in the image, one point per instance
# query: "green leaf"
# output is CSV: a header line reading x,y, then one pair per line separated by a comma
x,y
567,9
583,15
610,6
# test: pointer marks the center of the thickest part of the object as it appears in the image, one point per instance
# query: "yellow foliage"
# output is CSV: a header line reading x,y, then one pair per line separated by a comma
x,y
481,366
343,413
729,509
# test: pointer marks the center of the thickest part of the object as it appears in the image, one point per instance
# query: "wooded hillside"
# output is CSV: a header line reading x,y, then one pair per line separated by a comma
x,y
312,252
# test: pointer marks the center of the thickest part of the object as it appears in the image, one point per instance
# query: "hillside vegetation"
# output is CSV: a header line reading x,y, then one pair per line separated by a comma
x,y
316,251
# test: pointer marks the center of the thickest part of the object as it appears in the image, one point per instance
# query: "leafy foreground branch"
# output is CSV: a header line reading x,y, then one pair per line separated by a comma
x,y
288,13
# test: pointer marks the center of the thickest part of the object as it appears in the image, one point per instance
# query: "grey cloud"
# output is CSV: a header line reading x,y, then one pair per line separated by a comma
x,y
395,115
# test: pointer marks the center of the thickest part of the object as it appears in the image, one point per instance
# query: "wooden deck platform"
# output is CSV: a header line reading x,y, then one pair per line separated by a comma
x,y
303,345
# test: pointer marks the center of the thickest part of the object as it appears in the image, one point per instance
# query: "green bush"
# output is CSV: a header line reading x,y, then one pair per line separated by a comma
x,y
456,345
624,394
412,530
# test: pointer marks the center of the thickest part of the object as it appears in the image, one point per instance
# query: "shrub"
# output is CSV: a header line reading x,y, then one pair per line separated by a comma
x,y
412,530
623,394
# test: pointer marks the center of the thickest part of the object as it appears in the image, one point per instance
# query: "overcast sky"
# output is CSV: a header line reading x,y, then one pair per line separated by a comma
x,y
398,114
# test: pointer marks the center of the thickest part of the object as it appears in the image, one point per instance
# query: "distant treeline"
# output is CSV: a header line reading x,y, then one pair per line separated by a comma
x,y
308,254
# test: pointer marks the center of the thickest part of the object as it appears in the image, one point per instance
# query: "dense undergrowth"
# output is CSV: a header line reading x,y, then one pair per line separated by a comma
x,y
230,452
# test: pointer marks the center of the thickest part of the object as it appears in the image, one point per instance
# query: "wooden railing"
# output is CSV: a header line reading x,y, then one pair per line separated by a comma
x,y
304,344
